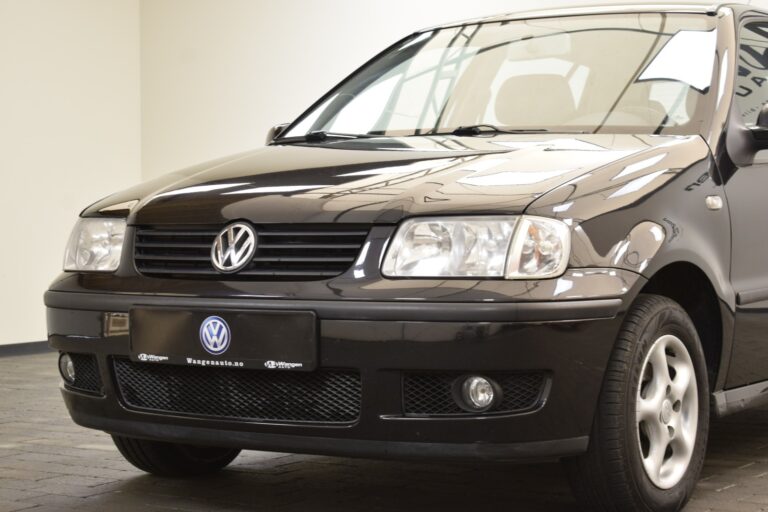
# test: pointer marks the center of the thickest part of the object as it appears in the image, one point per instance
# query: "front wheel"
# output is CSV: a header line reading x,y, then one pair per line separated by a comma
x,y
172,459
650,432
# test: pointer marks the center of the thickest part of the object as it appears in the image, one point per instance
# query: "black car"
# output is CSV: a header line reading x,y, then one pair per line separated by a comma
x,y
534,236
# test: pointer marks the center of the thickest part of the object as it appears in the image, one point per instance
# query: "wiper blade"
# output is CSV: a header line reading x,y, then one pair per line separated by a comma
x,y
482,129
322,136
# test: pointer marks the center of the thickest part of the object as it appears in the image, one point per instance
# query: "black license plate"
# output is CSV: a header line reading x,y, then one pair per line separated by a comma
x,y
274,340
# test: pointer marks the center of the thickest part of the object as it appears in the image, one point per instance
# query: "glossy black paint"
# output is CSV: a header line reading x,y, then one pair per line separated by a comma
x,y
637,206
382,181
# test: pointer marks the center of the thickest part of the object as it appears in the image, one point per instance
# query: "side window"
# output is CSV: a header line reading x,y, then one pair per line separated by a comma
x,y
752,78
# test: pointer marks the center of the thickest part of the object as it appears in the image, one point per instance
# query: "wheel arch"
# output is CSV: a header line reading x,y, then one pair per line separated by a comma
x,y
688,285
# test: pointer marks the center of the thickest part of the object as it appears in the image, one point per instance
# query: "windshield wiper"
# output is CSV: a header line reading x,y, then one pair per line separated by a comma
x,y
321,136
483,129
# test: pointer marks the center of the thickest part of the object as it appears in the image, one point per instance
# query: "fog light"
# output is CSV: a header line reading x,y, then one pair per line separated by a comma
x,y
67,368
478,394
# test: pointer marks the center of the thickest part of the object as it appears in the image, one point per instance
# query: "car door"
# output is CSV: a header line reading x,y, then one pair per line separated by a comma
x,y
747,193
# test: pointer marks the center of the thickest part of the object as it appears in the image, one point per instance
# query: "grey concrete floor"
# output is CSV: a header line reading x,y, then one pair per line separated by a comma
x,y
49,464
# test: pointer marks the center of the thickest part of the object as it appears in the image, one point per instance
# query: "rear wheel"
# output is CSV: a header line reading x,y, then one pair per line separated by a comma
x,y
173,460
650,432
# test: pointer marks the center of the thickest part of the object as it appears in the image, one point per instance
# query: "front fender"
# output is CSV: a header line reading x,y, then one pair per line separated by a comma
x,y
649,212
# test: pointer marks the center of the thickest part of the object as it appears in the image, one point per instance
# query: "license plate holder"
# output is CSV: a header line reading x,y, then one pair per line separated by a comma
x,y
257,339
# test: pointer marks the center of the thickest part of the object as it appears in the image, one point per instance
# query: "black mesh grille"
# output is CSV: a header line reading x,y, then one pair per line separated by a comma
x,y
433,394
303,252
87,376
323,396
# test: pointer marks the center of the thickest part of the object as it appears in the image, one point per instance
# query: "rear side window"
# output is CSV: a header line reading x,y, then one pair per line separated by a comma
x,y
752,78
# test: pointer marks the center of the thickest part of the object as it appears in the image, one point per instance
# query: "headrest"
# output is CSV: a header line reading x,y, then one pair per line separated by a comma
x,y
535,100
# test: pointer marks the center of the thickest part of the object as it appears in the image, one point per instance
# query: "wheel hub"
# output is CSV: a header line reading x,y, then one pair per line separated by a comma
x,y
666,412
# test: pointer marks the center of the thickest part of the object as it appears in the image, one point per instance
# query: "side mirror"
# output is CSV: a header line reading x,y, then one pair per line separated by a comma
x,y
760,130
275,132
742,142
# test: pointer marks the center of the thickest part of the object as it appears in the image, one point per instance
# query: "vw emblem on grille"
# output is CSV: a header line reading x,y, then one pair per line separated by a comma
x,y
233,248
215,335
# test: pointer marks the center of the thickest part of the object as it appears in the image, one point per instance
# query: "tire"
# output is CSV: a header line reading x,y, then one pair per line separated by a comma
x,y
173,460
625,468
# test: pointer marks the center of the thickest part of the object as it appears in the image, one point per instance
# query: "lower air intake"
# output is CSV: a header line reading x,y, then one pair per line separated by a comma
x,y
433,394
87,376
323,396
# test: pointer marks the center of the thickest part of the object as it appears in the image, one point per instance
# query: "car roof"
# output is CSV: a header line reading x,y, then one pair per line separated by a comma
x,y
617,8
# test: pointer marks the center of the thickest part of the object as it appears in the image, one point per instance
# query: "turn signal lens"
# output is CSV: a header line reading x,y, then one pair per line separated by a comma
x,y
541,249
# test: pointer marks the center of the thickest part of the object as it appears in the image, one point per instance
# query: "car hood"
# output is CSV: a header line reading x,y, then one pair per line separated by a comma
x,y
382,180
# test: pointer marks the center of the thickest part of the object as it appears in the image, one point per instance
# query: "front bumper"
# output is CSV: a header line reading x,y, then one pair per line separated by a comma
x,y
570,341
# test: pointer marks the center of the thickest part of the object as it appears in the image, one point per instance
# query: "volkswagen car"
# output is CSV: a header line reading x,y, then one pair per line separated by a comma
x,y
529,237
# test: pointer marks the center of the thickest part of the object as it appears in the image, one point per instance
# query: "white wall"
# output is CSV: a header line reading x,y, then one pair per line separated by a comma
x,y
69,134
217,74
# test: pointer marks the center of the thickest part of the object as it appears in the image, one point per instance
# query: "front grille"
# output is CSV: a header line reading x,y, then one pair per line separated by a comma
x,y
302,252
323,396
432,394
87,376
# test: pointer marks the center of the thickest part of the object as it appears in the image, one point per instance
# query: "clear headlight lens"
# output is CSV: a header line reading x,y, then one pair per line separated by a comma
x,y
95,245
485,247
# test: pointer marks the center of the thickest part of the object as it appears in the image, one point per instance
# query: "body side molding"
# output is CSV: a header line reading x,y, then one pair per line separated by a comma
x,y
751,296
740,399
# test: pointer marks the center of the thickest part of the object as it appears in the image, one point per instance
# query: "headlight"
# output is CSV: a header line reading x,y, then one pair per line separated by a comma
x,y
95,245
485,247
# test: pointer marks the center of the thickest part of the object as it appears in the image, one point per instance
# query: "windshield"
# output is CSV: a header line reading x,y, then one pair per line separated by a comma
x,y
624,73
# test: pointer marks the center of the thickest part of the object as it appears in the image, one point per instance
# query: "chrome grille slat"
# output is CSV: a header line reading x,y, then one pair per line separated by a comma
x,y
301,252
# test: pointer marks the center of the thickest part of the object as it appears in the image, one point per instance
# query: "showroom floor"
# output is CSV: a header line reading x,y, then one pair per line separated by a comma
x,y
49,464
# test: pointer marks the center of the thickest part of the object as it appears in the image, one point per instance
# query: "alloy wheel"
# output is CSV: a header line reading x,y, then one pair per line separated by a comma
x,y
667,411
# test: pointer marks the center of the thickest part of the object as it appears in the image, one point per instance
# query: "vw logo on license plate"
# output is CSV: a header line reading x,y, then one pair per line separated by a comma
x,y
215,335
